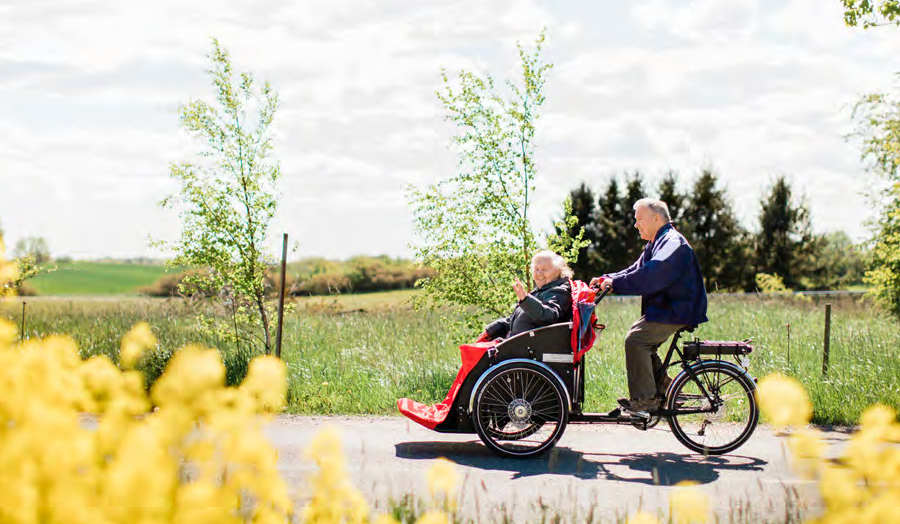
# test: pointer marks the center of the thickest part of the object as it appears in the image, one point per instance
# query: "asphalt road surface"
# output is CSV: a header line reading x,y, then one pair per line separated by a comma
x,y
595,471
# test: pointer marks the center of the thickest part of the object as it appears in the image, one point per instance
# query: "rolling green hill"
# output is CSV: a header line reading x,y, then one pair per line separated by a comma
x,y
96,279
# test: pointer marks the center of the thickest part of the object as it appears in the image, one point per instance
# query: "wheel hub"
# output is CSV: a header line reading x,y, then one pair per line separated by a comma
x,y
519,411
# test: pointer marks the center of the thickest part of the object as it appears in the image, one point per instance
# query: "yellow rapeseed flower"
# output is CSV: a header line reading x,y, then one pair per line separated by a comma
x,y
192,374
266,383
784,401
9,271
135,343
8,334
642,517
840,488
443,478
807,450
434,517
334,499
689,504
879,421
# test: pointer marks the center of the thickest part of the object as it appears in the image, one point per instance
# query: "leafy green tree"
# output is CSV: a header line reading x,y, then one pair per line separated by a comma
x,y
581,205
878,125
840,262
474,226
714,233
227,199
871,13
568,238
786,245
34,247
884,272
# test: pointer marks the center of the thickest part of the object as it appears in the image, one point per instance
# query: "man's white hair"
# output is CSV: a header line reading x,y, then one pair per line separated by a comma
x,y
557,261
657,206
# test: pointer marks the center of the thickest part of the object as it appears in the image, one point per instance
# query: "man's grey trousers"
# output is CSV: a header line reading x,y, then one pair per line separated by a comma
x,y
641,357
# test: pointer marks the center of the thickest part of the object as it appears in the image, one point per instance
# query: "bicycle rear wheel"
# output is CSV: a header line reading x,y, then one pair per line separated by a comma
x,y
716,412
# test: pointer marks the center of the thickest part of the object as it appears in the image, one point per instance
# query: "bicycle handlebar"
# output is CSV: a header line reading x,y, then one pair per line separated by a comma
x,y
601,295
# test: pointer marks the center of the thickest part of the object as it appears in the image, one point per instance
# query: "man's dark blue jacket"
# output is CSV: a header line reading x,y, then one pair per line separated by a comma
x,y
667,276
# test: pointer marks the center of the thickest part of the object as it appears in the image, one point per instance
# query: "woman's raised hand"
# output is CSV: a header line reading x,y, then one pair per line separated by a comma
x,y
520,289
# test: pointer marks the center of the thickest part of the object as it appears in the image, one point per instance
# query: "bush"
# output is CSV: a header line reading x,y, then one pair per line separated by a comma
x,y
175,286
314,276
357,275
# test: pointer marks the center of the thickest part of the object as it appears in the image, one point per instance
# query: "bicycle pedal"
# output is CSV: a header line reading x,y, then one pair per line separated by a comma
x,y
643,415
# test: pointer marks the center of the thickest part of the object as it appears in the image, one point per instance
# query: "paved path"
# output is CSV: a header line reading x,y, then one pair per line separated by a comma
x,y
606,471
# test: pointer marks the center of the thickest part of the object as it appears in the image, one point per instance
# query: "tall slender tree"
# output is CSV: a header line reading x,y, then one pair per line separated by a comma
x,y
228,198
475,227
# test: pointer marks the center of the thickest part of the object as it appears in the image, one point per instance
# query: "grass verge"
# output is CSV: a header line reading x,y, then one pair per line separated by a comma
x,y
357,354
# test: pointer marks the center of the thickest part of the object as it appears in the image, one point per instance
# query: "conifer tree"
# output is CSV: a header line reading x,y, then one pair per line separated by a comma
x,y
634,191
786,245
713,232
668,193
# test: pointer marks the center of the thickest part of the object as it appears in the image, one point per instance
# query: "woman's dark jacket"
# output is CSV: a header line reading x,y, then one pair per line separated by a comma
x,y
549,304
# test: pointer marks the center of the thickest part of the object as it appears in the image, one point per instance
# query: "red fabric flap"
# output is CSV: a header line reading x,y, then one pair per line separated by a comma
x,y
581,292
431,416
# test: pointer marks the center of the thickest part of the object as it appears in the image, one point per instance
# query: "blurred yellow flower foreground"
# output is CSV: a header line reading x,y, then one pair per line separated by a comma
x,y
200,457
863,485
192,451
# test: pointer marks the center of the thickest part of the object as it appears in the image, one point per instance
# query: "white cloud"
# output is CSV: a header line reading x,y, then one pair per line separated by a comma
x,y
89,92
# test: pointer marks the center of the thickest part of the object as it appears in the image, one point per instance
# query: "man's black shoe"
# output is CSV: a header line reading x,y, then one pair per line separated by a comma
x,y
643,407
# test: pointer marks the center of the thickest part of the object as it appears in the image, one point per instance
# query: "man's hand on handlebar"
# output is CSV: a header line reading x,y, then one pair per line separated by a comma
x,y
602,283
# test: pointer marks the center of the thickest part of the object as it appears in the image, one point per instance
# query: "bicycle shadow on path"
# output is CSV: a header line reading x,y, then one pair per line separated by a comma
x,y
654,469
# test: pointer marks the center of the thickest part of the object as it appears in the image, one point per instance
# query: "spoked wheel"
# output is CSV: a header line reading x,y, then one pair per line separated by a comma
x,y
718,423
520,410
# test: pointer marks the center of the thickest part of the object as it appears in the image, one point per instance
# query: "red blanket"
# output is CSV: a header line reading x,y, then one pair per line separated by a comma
x,y
431,416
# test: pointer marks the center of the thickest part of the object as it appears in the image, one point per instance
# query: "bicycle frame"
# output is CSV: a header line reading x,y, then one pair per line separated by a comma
x,y
613,417
667,363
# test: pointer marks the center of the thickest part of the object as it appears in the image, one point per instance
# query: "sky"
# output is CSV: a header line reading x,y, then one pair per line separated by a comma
x,y
90,92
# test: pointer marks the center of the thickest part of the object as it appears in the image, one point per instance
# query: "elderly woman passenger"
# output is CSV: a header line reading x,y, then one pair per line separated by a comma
x,y
550,302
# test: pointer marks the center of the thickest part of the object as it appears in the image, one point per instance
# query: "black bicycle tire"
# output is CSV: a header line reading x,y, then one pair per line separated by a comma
x,y
492,442
685,378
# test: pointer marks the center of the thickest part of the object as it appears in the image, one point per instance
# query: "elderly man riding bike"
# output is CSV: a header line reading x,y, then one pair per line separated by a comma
x,y
667,277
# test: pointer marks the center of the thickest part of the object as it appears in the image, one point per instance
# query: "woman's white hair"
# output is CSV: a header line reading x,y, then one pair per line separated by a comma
x,y
557,261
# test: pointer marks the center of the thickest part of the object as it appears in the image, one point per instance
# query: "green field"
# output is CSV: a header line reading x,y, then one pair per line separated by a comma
x,y
360,353
96,279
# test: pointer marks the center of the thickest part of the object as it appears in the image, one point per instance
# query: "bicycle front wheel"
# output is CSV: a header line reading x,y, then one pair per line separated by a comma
x,y
714,411
520,410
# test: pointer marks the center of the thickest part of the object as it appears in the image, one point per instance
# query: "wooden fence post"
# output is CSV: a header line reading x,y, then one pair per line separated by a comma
x,y
827,339
789,344
22,334
281,297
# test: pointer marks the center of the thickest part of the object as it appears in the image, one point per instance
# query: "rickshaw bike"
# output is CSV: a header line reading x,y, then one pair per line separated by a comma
x,y
519,394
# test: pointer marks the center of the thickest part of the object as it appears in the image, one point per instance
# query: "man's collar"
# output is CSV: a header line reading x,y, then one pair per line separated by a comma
x,y
661,231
